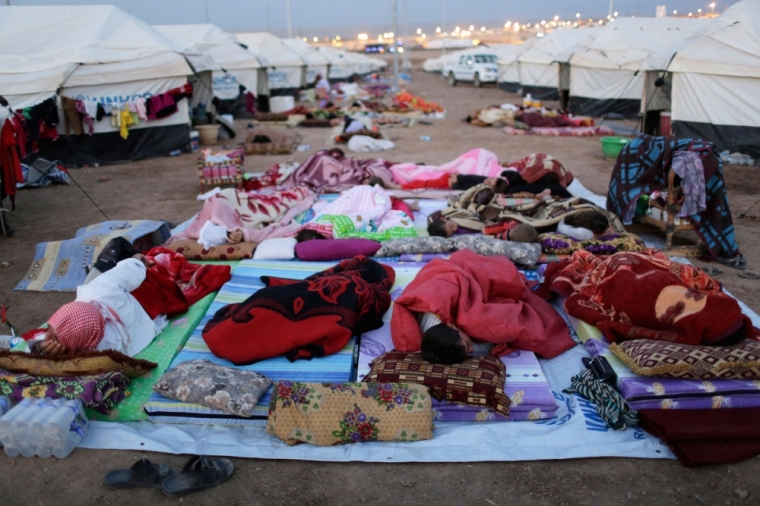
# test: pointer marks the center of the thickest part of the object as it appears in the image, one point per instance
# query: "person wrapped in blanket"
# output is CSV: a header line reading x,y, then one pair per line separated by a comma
x,y
474,305
126,306
303,319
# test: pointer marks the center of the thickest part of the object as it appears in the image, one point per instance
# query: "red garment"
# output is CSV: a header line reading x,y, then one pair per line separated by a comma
x,y
78,325
500,229
399,205
444,181
307,318
706,436
10,163
645,295
158,295
487,298
536,165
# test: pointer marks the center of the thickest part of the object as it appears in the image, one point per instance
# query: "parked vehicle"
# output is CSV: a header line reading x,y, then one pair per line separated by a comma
x,y
477,68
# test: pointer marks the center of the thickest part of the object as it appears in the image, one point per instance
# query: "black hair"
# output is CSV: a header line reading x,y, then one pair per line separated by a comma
x,y
437,228
550,178
513,177
375,181
443,345
591,220
500,186
306,234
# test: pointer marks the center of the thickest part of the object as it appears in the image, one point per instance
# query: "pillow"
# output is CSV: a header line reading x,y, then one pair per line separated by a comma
x,y
190,249
227,389
522,253
478,381
281,248
671,360
396,247
83,363
326,414
316,250
559,244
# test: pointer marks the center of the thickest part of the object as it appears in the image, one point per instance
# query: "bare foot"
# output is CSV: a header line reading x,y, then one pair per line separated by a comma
x,y
545,195
414,205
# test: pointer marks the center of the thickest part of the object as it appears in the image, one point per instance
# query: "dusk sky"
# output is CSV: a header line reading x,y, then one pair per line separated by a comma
x,y
349,17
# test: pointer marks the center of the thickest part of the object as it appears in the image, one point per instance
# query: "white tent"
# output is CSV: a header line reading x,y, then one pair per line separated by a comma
x,y
713,80
238,66
542,65
286,70
509,68
342,65
606,75
316,62
99,53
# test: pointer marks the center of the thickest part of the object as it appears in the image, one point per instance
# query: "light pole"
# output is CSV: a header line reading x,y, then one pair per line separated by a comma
x,y
443,25
612,8
290,27
205,4
395,46
712,8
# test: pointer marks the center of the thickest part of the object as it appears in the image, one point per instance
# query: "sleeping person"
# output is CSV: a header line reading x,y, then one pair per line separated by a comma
x,y
584,226
446,344
447,181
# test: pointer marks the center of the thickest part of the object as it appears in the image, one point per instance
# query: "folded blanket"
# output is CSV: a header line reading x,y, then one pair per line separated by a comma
x,y
332,171
706,436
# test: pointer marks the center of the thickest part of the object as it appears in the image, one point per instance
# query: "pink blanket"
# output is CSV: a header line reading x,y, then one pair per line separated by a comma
x,y
258,216
479,162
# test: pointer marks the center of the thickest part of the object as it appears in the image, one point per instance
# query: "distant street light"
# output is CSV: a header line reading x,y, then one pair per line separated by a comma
x,y
712,8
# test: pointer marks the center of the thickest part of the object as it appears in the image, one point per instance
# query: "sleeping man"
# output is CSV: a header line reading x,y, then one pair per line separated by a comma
x,y
483,305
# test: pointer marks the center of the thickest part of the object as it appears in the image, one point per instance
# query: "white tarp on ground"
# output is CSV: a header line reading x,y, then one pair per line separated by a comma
x,y
239,65
316,62
539,64
286,68
716,72
607,66
46,48
576,431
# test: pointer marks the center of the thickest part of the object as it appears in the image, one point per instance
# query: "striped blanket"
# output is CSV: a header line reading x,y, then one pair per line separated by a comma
x,y
59,266
583,131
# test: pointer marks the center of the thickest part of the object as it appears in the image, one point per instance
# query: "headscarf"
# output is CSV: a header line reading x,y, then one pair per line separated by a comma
x,y
79,325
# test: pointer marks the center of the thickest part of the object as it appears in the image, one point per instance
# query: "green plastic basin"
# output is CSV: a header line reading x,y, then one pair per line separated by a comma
x,y
612,146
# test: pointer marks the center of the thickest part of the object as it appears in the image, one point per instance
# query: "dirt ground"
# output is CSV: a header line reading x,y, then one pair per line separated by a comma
x,y
166,188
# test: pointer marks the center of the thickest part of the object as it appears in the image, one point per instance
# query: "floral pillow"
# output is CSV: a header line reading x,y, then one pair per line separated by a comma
x,y
326,414
396,247
227,389
683,361
478,381
523,253
560,244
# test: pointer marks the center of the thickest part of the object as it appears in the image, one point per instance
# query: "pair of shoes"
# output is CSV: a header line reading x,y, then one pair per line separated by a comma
x,y
736,262
198,474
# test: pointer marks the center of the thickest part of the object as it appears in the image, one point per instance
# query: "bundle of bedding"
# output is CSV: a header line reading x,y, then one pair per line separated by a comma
x,y
565,131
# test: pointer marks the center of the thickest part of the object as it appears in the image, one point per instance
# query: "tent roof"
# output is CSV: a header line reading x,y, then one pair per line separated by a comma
x,y
728,45
308,53
627,42
267,46
511,56
43,47
556,46
212,41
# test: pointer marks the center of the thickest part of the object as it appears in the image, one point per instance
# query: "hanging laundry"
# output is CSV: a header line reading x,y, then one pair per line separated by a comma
x,y
43,114
86,118
161,106
126,121
138,106
10,163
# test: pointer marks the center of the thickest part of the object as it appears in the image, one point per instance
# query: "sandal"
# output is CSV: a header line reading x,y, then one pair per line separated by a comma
x,y
749,275
198,474
711,271
734,262
143,474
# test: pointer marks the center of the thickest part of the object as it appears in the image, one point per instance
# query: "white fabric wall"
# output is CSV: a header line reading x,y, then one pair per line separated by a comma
x,y
313,70
509,73
720,100
122,92
285,77
655,98
534,74
226,83
602,84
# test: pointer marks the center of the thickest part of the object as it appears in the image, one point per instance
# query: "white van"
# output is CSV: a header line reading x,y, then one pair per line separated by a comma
x,y
478,68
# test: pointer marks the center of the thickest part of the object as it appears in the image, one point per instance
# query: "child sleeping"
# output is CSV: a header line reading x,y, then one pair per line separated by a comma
x,y
446,344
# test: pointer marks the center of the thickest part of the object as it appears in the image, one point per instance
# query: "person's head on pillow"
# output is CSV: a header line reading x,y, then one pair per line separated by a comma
x,y
442,228
306,234
513,177
524,232
374,181
594,221
498,184
444,344
74,327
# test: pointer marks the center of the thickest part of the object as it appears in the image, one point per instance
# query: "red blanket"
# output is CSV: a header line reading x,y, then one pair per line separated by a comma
x,y
706,436
647,296
488,299
307,318
173,284
535,166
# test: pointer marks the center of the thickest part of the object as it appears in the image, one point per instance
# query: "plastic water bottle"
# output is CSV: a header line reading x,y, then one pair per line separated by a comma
x,y
425,138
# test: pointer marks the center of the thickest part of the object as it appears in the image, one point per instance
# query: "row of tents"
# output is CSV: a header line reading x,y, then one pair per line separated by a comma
x,y
104,54
705,72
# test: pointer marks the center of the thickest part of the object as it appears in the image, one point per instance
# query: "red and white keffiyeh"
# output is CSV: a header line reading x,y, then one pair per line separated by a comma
x,y
78,325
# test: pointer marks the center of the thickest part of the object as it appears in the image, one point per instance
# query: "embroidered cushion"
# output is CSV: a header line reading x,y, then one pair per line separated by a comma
x,y
478,381
326,414
190,249
317,250
227,389
559,244
83,363
280,248
684,361
396,247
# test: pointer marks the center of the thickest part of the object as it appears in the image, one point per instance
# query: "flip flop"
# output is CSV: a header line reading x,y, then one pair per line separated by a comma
x,y
198,474
143,474
734,262
749,275
711,271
